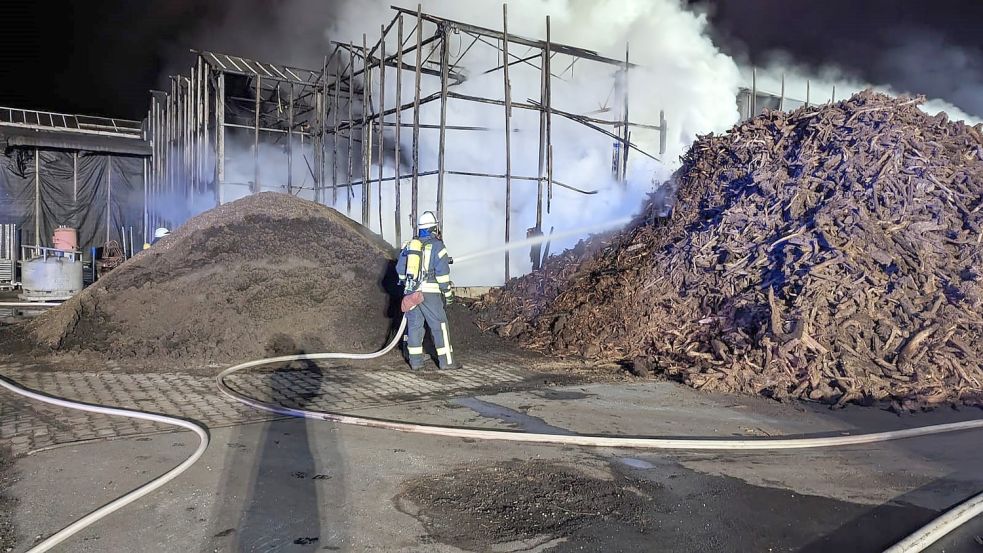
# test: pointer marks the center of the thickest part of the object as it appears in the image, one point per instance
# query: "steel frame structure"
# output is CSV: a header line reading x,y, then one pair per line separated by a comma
x,y
751,100
343,112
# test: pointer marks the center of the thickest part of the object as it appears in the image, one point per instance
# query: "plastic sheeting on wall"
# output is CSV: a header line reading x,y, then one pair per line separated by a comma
x,y
94,193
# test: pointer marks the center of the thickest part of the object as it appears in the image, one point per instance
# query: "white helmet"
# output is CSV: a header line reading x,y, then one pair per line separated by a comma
x,y
161,232
427,220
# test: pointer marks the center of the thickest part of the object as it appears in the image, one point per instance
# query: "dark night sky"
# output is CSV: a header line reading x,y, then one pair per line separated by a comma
x,y
101,56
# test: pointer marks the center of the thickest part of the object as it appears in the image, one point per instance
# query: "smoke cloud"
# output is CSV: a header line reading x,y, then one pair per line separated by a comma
x,y
683,73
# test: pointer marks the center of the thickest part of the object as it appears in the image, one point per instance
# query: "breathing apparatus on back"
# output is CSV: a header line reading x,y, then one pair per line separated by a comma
x,y
418,254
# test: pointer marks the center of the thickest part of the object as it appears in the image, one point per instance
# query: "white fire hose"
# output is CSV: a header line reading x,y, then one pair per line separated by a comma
x,y
916,542
130,497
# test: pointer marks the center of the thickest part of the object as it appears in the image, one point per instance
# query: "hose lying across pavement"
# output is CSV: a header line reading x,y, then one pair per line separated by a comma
x,y
124,500
914,543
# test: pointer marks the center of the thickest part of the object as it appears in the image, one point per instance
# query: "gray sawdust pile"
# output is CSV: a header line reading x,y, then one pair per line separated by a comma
x,y
266,274
834,253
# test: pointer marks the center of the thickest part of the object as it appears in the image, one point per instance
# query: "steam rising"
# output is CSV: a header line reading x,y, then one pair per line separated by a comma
x,y
683,73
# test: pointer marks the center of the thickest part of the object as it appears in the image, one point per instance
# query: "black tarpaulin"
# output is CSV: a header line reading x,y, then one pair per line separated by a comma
x,y
95,193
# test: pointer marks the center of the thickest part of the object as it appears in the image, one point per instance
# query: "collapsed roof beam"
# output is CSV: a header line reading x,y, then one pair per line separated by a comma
x,y
268,71
516,39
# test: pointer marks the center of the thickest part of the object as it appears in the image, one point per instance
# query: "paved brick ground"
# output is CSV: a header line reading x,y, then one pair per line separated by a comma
x,y
26,425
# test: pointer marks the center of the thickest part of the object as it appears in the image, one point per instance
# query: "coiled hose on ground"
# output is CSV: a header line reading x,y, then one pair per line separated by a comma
x,y
914,543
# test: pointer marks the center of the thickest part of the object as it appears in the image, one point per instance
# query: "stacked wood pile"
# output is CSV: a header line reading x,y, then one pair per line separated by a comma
x,y
834,253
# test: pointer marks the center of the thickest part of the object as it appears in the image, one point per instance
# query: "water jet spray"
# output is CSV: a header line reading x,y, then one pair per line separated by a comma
x,y
540,239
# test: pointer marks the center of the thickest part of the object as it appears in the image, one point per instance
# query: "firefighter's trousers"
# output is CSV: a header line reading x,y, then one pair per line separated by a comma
x,y
431,312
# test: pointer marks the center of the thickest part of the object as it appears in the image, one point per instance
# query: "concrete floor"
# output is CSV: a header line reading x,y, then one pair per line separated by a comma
x,y
293,485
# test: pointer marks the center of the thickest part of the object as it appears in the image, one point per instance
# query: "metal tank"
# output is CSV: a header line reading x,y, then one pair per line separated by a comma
x,y
65,239
50,274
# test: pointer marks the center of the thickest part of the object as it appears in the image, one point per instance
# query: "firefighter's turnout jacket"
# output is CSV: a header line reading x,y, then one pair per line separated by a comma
x,y
424,266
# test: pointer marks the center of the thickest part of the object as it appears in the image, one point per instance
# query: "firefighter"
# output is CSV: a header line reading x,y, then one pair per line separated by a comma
x,y
424,267
158,234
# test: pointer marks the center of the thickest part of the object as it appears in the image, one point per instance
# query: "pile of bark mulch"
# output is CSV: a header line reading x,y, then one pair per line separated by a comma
x,y
834,253
266,274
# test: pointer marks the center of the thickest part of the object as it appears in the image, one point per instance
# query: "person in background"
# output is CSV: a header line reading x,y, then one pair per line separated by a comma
x,y
158,234
425,273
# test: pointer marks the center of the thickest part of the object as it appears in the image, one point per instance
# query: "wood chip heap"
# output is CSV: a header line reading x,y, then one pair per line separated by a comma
x,y
268,274
834,253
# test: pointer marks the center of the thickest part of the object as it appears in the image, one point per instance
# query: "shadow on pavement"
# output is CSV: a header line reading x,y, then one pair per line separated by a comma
x,y
281,487
887,524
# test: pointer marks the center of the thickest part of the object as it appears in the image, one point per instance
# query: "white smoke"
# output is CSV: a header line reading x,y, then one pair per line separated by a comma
x,y
828,83
682,73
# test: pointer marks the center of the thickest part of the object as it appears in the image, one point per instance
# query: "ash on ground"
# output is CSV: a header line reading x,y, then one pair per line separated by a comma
x,y
521,501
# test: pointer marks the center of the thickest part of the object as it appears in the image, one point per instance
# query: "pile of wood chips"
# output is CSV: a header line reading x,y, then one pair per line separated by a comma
x,y
834,253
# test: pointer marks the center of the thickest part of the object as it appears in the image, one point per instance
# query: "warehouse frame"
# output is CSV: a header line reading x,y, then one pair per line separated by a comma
x,y
341,116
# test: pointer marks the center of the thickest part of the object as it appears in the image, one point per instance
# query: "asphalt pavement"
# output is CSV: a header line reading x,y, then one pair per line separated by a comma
x,y
296,485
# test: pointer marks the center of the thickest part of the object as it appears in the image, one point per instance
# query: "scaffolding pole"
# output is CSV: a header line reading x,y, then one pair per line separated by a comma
x,y
255,186
366,136
37,198
415,191
397,224
205,118
351,132
548,105
382,121
290,138
624,128
220,139
508,136
441,147
334,140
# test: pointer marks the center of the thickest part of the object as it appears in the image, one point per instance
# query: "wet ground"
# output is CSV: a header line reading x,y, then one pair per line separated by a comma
x,y
293,485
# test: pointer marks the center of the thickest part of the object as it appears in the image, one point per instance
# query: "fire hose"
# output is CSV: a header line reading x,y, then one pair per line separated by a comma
x,y
916,542
132,496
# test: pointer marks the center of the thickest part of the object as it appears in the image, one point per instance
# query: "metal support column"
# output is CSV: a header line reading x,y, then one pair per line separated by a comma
x,y
382,123
75,179
220,140
366,136
109,194
623,169
415,192
441,147
37,197
255,187
508,134
548,105
290,140
351,127
397,224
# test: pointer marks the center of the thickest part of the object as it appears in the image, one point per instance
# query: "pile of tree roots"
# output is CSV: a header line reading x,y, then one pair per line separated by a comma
x,y
834,253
